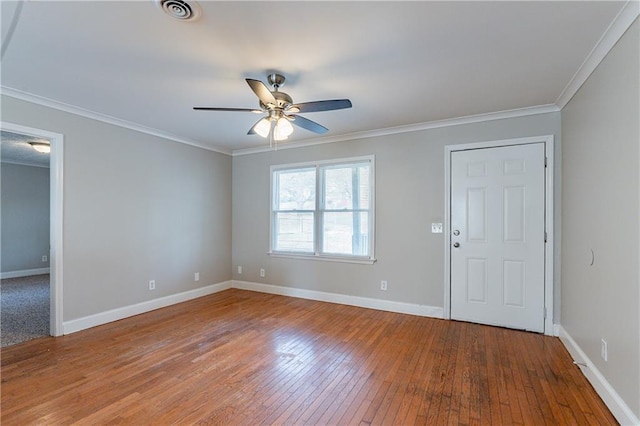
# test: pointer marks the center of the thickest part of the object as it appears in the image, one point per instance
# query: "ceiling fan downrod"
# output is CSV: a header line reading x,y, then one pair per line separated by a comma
x,y
276,80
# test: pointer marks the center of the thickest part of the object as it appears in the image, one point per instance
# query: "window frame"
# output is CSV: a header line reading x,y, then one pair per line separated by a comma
x,y
318,213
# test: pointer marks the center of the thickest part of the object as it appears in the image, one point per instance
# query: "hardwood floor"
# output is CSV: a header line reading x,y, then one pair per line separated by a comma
x,y
240,357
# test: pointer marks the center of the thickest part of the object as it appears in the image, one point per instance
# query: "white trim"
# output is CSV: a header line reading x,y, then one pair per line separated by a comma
x,y
336,161
56,178
142,307
56,214
616,30
323,258
500,115
343,299
548,140
61,106
447,233
616,404
23,273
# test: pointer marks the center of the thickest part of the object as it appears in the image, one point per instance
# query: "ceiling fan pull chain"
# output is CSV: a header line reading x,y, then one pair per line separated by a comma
x,y
271,129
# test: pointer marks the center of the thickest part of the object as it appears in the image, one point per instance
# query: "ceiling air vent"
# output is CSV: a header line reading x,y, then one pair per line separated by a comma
x,y
180,9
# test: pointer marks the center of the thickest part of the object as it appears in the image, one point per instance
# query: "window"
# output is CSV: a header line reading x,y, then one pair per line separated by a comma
x,y
324,210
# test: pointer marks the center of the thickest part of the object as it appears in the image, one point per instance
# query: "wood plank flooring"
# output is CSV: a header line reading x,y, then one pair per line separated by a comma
x,y
239,357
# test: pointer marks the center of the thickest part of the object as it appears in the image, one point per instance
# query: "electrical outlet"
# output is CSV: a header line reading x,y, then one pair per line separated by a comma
x,y
262,272
44,258
604,350
240,269
383,285
152,285
196,276
436,228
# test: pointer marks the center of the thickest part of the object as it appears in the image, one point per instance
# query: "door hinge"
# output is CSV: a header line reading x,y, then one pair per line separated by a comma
x,y
545,236
545,162
545,313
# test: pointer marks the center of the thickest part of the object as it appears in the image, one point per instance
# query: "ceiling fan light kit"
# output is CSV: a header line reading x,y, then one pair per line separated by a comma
x,y
281,111
283,129
263,127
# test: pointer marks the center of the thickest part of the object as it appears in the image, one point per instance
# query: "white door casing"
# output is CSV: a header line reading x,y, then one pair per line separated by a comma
x,y
496,203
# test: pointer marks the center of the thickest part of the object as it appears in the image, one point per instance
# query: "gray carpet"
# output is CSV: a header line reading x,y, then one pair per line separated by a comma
x,y
24,309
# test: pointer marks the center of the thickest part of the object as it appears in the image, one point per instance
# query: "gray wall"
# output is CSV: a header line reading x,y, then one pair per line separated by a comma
x,y
600,138
409,197
136,207
25,217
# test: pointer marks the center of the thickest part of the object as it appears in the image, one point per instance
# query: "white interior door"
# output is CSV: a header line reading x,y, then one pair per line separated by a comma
x,y
497,236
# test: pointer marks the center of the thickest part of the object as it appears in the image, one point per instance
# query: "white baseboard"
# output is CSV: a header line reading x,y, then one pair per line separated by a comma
x,y
140,308
101,318
618,407
343,299
25,273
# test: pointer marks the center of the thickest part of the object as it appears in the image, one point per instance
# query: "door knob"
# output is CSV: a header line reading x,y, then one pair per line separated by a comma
x,y
456,245
456,232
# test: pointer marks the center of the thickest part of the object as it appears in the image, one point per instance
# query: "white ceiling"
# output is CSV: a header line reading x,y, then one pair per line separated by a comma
x,y
400,63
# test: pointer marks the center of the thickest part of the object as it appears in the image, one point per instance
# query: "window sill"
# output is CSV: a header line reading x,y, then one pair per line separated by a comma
x,y
361,261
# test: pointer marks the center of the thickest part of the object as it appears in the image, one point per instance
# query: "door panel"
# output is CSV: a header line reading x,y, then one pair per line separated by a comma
x,y
477,214
497,224
477,280
513,200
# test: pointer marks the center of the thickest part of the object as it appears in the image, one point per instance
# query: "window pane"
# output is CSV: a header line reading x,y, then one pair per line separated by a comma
x,y
296,189
363,194
346,233
294,232
346,187
338,193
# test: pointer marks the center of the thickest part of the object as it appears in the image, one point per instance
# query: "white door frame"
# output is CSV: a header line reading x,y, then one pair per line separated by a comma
x,y
548,141
56,210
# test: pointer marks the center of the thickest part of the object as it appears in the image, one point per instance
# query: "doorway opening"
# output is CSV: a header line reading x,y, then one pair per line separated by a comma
x,y
53,250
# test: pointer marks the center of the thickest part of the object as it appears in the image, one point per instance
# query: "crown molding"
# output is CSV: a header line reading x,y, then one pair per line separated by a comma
x,y
61,106
478,118
26,164
40,100
621,23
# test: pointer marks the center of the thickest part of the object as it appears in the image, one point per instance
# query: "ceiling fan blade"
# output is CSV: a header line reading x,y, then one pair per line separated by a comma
x,y
309,125
252,130
262,91
323,105
227,109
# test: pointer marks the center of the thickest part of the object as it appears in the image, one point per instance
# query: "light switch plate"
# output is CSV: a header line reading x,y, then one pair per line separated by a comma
x,y
436,228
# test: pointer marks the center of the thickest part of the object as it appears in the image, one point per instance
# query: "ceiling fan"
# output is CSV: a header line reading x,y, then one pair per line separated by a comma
x,y
281,111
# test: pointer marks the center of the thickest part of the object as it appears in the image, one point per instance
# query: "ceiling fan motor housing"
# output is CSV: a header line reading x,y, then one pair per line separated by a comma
x,y
282,101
